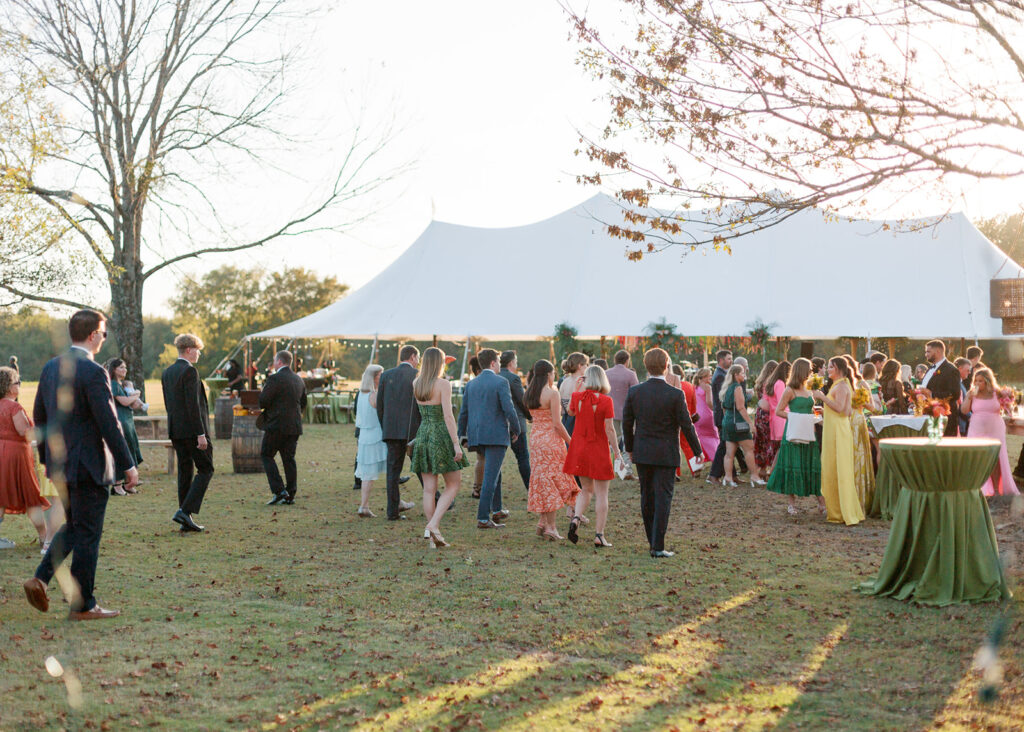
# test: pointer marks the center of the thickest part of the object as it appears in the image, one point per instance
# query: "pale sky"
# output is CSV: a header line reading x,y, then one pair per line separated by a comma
x,y
489,96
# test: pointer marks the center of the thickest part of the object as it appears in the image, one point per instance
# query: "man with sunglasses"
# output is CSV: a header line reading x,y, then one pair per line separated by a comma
x,y
81,447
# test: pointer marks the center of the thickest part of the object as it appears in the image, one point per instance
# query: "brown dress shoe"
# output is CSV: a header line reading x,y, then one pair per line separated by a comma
x,y
35,591
499,516
489,525
97,613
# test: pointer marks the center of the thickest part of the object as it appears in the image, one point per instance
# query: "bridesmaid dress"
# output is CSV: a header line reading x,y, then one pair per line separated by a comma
x,y
838,485
707,433
987,422
550,488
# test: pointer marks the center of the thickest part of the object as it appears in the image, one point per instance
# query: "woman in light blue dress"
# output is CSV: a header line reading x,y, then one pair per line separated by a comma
x,y
372,453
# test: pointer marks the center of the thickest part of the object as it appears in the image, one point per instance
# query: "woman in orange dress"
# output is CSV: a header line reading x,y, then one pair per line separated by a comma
x,y
588,457
19,487
550,488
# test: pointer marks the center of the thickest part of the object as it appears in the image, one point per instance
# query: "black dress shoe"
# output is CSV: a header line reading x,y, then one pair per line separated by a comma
x,y
662,554
186,521
399,517
489,525
404,479
358,485
278,498
289,499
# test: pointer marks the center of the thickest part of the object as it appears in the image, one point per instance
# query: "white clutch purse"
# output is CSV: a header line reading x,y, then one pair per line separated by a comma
x,y
800,428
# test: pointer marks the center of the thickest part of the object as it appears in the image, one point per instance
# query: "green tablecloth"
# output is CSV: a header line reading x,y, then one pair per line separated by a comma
x,y
335,407
887,488
942,545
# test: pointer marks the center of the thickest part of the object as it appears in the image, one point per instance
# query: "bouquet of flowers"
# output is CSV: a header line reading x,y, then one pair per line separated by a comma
x,y
1007,399
861,398
815,382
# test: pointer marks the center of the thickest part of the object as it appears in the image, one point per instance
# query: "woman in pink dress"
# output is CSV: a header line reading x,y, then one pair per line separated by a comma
x,y
982,404
707,433
550,488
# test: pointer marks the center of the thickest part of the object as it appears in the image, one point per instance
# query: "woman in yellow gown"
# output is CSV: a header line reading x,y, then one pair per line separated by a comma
x,y
863,466
838,485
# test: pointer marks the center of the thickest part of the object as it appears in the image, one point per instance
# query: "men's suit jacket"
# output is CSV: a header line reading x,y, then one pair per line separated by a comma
x,y
717,380
93,442
283,400
518,397
396,407
488,416
188,412
651,420
945,383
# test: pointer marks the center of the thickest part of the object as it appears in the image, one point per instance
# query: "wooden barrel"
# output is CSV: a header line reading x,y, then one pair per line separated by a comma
x,y
245,445
223,416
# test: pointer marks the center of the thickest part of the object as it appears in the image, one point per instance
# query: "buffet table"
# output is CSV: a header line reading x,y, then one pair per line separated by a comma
x,y
942,545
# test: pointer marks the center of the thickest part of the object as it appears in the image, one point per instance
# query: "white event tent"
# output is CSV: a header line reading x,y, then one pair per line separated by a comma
x,y
808,277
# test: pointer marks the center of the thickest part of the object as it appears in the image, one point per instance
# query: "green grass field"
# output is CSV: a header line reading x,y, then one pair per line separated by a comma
x,y
307,617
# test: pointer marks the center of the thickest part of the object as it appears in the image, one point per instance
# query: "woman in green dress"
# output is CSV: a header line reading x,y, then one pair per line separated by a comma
x,y
436,450
798,467
126,405
737,427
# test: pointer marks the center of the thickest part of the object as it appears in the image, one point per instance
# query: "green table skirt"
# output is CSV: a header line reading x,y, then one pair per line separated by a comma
x,y
335,407
887,488
942,546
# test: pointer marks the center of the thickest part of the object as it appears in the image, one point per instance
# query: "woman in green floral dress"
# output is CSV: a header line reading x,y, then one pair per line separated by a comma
x,y
436,450
798,467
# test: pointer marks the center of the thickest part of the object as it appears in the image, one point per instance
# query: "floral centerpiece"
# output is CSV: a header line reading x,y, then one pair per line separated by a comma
x,y
936,410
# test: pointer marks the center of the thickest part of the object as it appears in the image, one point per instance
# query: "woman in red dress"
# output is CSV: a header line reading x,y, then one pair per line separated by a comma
x,y
589,458
690,392
19,487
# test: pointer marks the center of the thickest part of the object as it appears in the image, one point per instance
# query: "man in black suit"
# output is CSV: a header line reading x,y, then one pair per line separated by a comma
x,y
282,400
399,420
942,381
652,417
82,447
188,425
509,362
717,471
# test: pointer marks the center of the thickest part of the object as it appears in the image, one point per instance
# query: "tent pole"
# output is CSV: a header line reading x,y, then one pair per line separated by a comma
x,y
434,344
465,358
869,347
373,351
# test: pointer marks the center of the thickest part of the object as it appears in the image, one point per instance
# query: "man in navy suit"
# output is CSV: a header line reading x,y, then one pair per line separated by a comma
x,y
509,363
486,422
652,417
399,420
82,447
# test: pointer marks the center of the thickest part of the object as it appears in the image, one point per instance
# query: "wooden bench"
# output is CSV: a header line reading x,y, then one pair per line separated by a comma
x,y
153,424
170,451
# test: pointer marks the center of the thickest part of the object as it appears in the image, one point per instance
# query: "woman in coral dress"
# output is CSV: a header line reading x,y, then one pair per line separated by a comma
x,y
19,488
707,433
588,456
764,455
838,486
982,404
550,488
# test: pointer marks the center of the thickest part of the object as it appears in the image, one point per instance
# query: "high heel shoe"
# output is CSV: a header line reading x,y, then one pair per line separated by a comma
x,y
365,513
119,489
574,525
540,529
583,519
600,541
552,536
729,483
437,540
791,510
